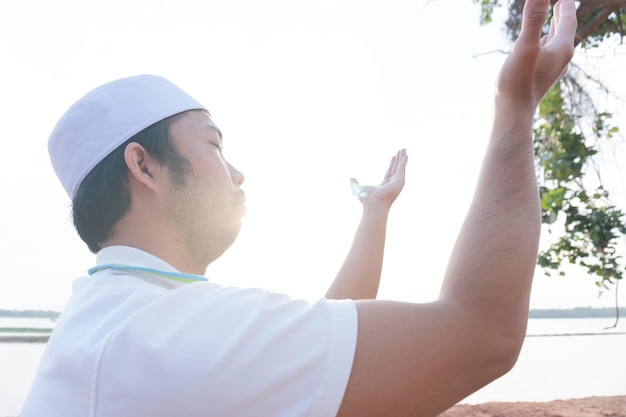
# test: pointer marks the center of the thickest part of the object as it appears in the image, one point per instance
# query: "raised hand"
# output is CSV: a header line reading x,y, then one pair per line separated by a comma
x,y
537,62
391,186
359,276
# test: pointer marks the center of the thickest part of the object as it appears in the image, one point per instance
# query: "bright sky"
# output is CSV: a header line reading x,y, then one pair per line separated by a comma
x,y
308,94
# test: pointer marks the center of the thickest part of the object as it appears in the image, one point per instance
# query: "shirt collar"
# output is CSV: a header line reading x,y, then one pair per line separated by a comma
x,y
142,264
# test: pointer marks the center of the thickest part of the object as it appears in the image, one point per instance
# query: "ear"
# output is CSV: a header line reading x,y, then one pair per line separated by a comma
x,y
142,167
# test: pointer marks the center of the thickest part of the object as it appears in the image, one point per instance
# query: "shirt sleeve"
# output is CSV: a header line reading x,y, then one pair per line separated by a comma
x,y
214,351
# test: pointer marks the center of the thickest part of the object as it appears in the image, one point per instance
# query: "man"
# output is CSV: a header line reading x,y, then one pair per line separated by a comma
x,y
137,338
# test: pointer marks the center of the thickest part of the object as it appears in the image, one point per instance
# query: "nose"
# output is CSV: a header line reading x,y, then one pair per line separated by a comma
x,y
236,175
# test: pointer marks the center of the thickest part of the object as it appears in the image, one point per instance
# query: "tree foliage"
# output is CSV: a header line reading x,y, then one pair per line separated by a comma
x,y
597,19
591,224
568,128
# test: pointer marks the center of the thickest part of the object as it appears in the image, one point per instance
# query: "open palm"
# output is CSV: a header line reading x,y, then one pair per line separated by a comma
x,y
391,186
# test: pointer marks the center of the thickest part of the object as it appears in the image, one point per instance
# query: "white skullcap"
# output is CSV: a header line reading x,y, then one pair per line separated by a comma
x,y
105,118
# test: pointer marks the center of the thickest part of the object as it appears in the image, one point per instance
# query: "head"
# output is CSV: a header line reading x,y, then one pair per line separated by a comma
x,y
142,162
103,197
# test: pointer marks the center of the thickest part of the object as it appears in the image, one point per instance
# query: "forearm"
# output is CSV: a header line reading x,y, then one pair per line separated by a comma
x,y
491,268
359,276
490,272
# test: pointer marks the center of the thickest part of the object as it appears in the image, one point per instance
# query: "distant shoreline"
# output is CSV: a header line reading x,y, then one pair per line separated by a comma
x,y
29,314
33,338
39,335
543,313
577,313
27,338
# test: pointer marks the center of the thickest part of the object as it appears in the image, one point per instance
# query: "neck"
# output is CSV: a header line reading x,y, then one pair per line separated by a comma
x,y
156,239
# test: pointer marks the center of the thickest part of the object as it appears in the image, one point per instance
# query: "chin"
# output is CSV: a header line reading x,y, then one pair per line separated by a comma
x,y
218,246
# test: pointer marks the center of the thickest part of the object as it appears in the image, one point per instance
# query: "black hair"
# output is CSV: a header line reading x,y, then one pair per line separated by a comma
x,y
103,197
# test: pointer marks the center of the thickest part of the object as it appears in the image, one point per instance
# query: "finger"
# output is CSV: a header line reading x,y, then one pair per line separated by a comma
x,y
565,21
404,157
402,160
391,169
533,18
553,23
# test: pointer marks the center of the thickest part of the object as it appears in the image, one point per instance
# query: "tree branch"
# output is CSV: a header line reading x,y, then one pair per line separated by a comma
x,y
587,7
594,23
501,51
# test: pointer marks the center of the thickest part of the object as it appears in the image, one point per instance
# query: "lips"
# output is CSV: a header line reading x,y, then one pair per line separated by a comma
x,y
241,202
242,198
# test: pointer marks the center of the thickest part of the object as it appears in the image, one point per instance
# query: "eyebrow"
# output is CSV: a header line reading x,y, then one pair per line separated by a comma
x,y
217,129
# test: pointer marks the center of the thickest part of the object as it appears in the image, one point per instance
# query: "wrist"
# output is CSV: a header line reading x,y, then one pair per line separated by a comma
x,y
514,110
376,209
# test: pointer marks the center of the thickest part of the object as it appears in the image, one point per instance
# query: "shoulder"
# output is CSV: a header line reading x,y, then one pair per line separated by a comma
x,y
222,339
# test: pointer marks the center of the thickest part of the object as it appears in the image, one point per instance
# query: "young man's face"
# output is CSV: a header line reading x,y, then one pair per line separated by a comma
x,y
206,210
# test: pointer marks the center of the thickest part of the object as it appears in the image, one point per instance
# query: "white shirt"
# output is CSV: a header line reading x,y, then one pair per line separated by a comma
x,y
134,344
